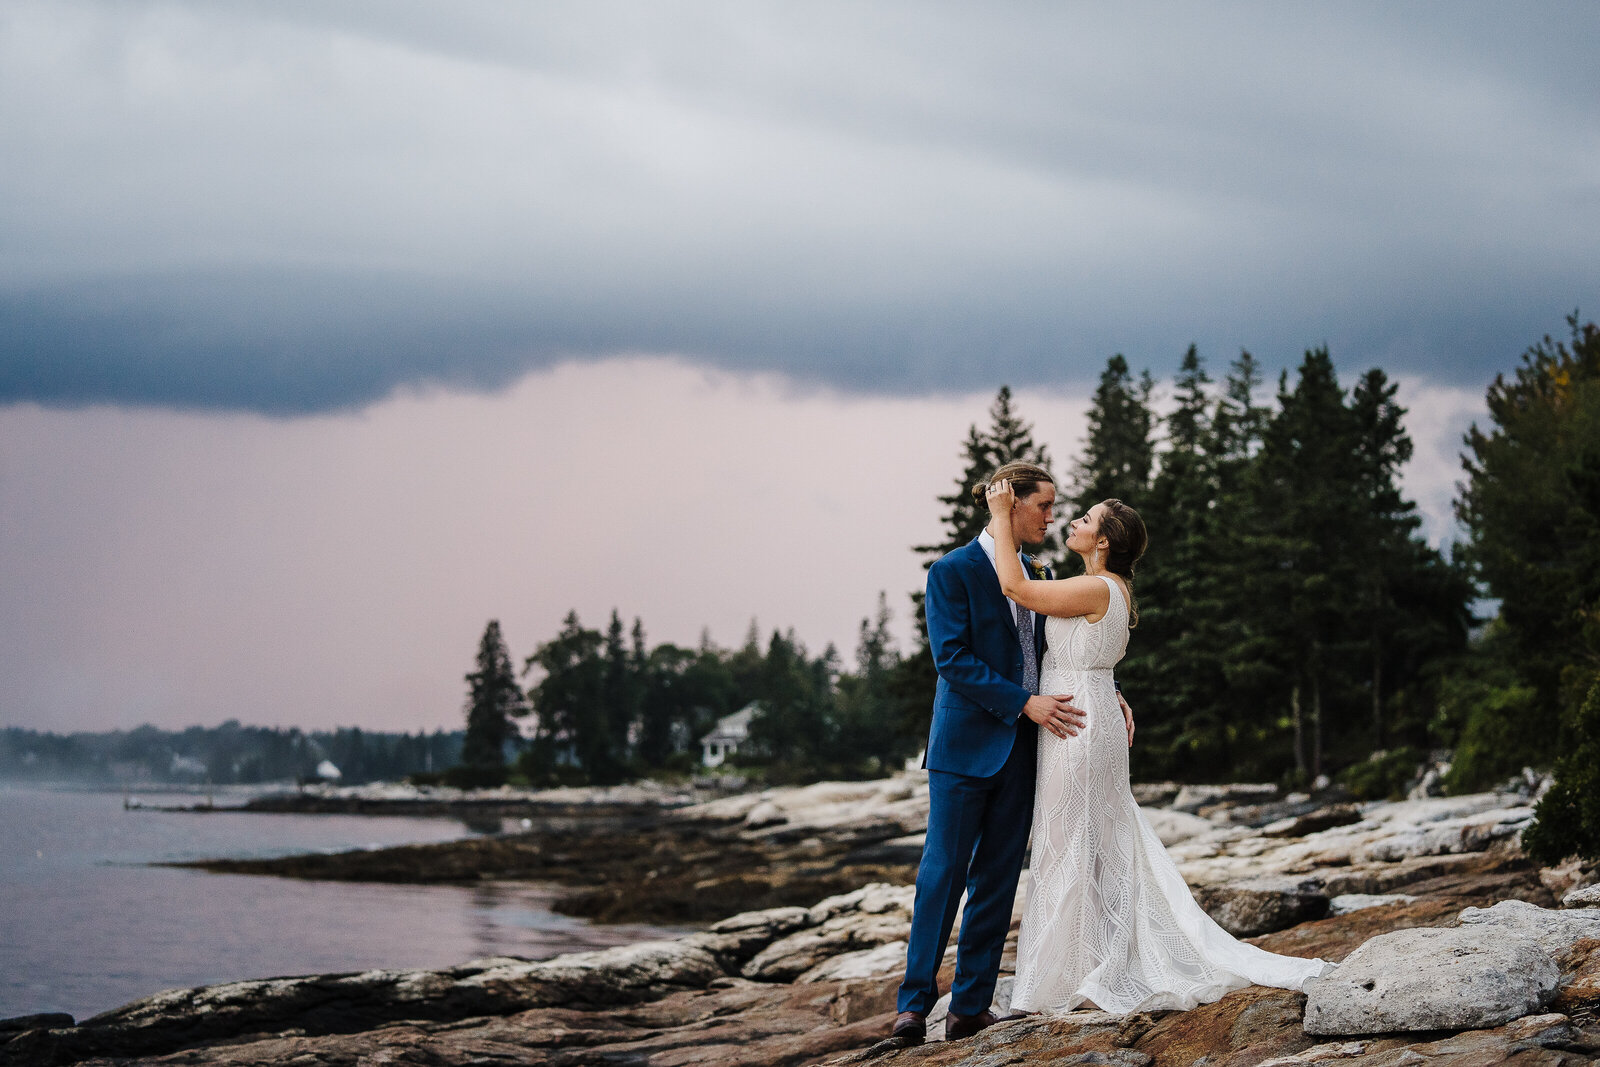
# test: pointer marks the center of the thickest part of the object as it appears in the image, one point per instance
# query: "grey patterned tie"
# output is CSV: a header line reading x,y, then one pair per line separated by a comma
x,y
1030,655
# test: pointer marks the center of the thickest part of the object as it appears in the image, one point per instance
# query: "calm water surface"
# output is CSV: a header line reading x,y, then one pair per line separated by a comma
x,y
85,926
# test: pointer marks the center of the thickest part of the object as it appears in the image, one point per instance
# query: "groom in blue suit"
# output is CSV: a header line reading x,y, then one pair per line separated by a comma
x,y
987,712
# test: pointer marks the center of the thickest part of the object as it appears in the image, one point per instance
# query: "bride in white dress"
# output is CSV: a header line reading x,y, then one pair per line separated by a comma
x,y
1108,918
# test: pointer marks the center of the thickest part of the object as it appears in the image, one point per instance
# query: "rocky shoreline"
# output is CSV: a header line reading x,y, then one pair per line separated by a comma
x,y
1457,950
664,864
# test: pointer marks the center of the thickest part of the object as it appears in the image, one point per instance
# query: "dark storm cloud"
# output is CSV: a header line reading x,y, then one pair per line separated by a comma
x,y
293,207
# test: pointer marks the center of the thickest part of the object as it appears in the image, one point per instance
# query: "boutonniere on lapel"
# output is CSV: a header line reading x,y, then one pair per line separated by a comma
x,y
1039,568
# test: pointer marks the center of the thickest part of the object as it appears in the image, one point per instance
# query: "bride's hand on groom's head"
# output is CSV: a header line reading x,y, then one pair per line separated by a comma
x,y
1001,497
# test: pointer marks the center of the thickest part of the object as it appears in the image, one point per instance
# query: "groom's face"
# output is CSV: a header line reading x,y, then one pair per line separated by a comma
x,y
1031,518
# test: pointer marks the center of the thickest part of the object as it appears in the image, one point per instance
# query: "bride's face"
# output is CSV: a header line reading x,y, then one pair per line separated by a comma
x,y
1083,534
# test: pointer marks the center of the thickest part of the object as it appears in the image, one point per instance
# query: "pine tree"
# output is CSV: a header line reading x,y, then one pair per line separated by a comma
x,y
1359,603
1531,506
570,739
1250,655
868,732
747,665
1118,452
1008,439
494,700
618,708
792,728
1567,820
656,679
1174,663
1311,567
1238,423
666,714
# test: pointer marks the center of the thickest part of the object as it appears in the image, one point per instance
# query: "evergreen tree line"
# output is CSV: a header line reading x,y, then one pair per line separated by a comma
x,y
1292,619
1531,506
222,755
605,706
1294,622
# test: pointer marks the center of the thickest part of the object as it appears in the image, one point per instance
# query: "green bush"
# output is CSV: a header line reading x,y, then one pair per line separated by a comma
x,y
541,774
1383,776
682,763
466,776
1567,820
1502,731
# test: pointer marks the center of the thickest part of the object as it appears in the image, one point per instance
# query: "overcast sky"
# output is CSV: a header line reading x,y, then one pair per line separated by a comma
x,y
316,317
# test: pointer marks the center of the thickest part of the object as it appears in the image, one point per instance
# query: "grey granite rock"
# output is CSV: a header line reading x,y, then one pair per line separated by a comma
x,y
1552,930
46,1020
344,1003
787,959
1345,903
1467,833
734,940
1263,905
1314,821
1191,798
1175,826
1431,979
877,898
886,959
1586,897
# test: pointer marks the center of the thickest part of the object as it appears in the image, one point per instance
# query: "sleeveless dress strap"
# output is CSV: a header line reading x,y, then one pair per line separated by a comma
x,y
1116,598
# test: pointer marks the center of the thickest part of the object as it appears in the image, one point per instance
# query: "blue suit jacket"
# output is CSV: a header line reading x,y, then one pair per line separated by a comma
x,y
972,632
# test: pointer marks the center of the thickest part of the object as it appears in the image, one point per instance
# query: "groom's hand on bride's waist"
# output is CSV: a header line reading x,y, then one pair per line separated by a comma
x,y
1056,714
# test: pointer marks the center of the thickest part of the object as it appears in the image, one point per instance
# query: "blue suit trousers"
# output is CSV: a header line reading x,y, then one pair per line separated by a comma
x,y
977,840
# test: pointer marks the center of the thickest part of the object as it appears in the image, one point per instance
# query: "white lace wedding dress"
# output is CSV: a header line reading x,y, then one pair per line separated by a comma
x,y
1108,917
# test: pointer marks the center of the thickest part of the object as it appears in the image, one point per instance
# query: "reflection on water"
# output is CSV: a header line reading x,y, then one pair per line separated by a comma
x,y
86,926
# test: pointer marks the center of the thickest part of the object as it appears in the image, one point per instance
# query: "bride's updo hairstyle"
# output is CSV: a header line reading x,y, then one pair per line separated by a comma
x,y
1025,479
1126,540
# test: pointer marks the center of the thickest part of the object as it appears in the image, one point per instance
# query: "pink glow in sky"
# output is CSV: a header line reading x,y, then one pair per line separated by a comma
x,y
181,568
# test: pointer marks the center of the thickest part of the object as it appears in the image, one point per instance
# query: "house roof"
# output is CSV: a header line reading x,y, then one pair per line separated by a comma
x,y
735,727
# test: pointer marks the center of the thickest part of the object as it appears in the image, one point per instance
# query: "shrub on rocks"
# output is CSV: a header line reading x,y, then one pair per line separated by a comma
x,y
1567,820
1385,775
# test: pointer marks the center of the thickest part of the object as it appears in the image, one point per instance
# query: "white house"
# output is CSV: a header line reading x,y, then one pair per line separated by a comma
x,y
187,767
725,738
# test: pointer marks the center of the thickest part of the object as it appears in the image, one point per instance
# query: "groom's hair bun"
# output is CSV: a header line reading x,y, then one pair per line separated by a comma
x,y
1025,479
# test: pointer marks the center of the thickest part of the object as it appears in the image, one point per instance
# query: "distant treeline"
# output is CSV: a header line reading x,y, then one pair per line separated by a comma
x,y
222,755
604,706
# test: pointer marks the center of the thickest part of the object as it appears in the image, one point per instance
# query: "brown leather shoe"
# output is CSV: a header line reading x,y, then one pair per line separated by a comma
x,y
911,1027
958,1026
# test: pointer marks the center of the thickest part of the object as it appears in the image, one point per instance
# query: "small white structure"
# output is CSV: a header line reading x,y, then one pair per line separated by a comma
x,y
328,772
186,767
725,738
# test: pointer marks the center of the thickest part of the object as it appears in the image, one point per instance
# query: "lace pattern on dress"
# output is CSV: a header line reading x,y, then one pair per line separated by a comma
x,y
1108,917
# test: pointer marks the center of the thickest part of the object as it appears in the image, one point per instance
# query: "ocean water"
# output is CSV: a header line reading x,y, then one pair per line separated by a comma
x,y
86,925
